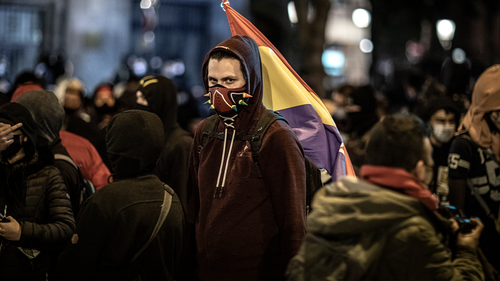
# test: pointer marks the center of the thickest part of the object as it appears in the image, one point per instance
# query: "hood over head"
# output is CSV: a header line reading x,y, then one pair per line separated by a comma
x,y
161,94
352,206
13,113
246,49
485,98
47,112
134,140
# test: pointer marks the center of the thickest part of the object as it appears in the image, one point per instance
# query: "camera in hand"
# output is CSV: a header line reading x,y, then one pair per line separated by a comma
x,y
450,212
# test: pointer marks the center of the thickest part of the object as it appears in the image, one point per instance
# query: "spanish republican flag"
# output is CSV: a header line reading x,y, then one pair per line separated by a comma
x,y
286,92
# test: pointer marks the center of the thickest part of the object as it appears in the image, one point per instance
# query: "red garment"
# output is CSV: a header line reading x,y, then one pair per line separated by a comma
x,y
399,180
23,89
86,157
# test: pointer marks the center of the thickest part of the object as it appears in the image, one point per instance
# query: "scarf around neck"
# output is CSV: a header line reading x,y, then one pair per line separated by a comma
x,y
399,180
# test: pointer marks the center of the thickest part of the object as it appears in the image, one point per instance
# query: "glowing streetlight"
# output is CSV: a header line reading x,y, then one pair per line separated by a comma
x,y
146,4
292,13
361,18
366,46
445,32
458,56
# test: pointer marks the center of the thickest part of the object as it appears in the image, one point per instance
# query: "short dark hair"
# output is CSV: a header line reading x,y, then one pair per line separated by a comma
x,y
396,141
437,103
218,55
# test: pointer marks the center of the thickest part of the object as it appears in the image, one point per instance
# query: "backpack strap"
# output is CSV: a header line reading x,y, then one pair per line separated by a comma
x,y
88,187
208,131
265,121
165,208
59,156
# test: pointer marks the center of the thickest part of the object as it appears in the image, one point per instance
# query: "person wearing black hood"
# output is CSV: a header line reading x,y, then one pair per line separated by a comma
x,y
118,220
158,94
49,115
33,198
247,225
361,109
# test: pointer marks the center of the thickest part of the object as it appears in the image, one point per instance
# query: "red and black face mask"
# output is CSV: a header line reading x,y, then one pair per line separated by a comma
x,y
226,101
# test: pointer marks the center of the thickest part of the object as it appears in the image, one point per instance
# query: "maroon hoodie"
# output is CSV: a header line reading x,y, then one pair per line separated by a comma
x,y
253,226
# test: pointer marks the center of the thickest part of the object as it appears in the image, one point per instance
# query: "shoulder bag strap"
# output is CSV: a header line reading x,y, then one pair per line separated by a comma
x,y
165,208
58,156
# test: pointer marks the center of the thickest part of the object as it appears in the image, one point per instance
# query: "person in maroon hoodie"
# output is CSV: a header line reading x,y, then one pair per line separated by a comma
x,y
246,226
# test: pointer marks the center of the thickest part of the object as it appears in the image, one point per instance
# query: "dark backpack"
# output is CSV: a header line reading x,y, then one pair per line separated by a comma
x,y
85,186
313,174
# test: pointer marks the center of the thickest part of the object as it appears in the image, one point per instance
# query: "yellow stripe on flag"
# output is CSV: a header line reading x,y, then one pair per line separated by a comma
x,y
277,76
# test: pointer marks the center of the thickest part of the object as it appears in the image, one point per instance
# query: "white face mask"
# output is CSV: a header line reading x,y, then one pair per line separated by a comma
x,y
443,133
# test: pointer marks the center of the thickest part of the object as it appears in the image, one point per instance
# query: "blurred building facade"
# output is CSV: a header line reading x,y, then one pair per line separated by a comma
x,y
383,42
109,40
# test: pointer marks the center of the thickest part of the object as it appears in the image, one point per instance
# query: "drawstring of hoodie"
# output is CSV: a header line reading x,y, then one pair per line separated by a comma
x,y
228,121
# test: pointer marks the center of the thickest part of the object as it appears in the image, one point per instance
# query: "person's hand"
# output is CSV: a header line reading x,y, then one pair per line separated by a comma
x,y
454,225
6,136
471,239
10,230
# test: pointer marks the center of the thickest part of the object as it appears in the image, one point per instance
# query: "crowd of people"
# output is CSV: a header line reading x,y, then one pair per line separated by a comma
x,y
173,204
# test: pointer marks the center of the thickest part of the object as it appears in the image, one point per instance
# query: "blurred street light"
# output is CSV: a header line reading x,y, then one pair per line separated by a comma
x,y
292,13
145,4
366,46
458,56
361,18
445,32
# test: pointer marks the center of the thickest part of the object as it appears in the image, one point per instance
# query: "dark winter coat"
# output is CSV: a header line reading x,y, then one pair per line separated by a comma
x,y
118,219
172,166
46,218
48,114
359,231
47,223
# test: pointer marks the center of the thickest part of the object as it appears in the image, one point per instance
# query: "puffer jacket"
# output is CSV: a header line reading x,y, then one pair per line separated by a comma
x,y
359,231
46,222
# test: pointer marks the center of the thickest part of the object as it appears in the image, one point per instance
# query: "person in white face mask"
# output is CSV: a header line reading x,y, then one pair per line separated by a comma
x,y
442,117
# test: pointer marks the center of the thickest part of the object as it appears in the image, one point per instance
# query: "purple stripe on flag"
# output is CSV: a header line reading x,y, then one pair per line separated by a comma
x,y
321,143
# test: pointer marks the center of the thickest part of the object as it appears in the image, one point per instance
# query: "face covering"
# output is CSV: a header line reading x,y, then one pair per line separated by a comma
x,y
105,109
443,133
69,111
142,107
226,101
13,148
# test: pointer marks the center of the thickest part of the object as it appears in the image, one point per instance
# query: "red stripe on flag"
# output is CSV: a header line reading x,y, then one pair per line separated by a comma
x,y
239,25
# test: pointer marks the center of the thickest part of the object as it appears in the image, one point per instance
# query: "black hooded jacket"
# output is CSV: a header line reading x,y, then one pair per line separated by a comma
x,y
118,219
49,114
172,166
46,219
